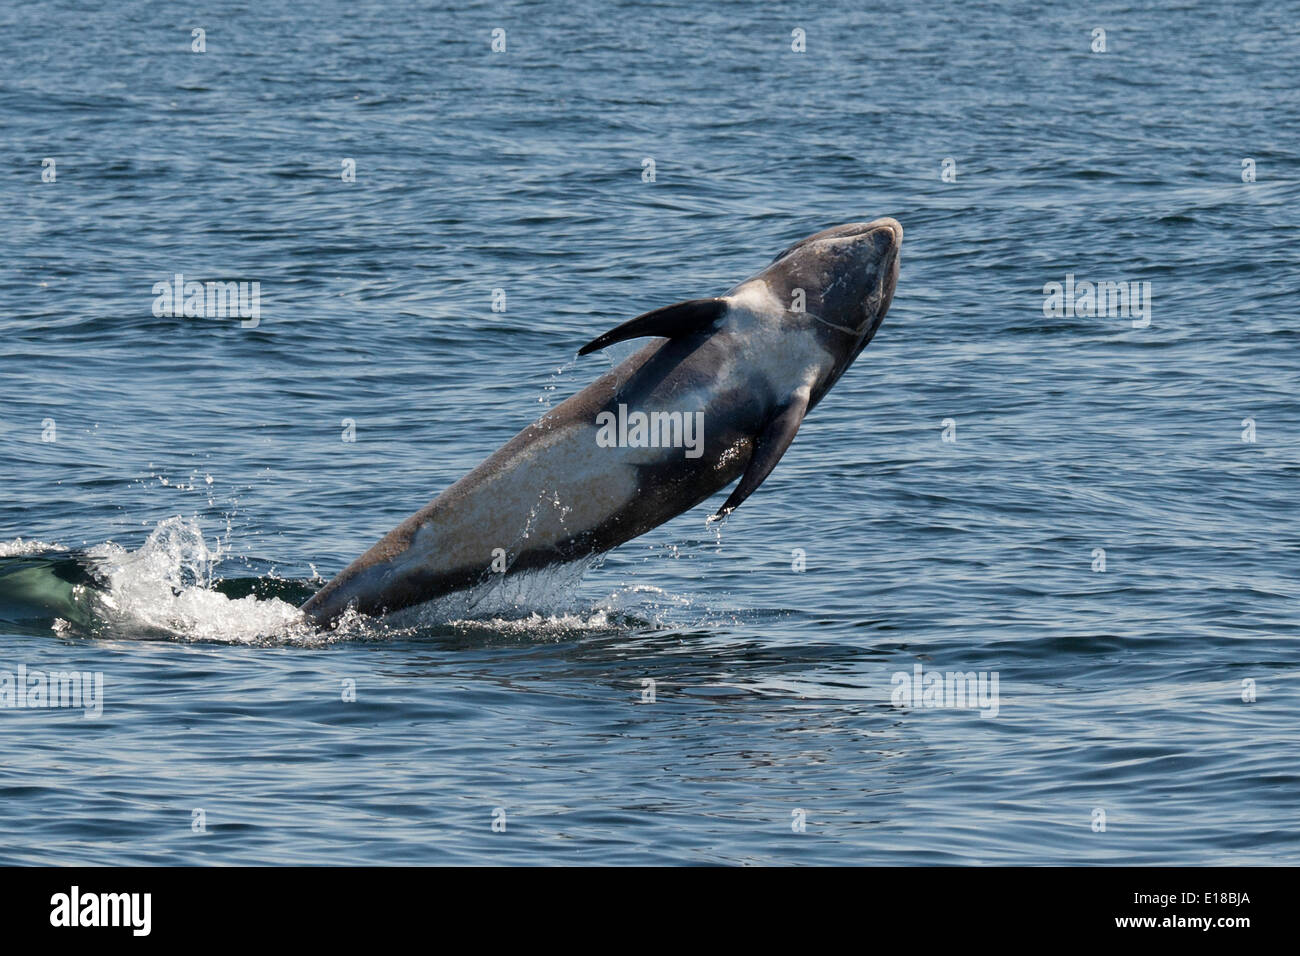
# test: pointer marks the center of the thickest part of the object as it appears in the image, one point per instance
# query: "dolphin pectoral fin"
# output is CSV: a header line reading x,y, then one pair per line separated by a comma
x,y
696,315
768,449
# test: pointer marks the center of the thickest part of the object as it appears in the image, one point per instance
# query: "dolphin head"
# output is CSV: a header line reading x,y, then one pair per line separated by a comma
x,y
847,274
838,284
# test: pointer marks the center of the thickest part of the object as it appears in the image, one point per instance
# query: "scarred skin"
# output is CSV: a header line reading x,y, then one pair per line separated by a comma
x,y
553,494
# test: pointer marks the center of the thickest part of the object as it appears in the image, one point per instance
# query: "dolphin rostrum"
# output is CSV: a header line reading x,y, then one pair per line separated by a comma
x,y
718,394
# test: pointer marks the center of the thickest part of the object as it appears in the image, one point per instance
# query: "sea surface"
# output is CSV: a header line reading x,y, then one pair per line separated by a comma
x,y
1099,511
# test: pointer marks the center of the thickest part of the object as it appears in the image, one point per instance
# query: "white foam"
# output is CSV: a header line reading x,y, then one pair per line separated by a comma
x,y
16,547
166,586
542,603
545,593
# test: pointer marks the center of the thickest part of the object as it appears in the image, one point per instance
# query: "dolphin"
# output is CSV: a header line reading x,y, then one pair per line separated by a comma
x,y
717,395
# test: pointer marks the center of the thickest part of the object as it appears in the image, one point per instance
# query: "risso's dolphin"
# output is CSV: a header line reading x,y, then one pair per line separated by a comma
x,y
718,394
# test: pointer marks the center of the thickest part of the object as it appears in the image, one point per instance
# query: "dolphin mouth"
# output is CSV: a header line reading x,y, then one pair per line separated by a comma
x,y
890,233
890,223
886,236
889,227
889,281
890,242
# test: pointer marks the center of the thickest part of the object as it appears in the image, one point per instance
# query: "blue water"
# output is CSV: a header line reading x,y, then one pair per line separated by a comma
x,y
197,484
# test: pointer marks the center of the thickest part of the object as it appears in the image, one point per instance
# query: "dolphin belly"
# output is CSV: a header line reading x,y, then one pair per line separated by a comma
x,y
552,494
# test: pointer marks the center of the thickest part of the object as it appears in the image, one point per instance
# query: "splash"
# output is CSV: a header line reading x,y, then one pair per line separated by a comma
x,y
549,592
543,604
169,589
165,589
18,547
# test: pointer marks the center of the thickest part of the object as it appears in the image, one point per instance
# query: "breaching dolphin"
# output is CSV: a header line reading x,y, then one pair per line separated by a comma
x,y
718,395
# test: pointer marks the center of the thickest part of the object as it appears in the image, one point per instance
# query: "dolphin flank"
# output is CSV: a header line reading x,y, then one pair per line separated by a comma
x,y
718,394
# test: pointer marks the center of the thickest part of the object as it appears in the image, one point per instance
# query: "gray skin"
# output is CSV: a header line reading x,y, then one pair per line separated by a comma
x,y
749,361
